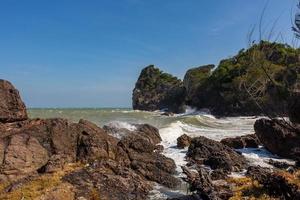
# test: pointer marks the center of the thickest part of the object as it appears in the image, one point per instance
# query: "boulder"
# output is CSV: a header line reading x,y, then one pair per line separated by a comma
x,y
183,141
279,137
12,108
155,90
240,142
21,155
216,155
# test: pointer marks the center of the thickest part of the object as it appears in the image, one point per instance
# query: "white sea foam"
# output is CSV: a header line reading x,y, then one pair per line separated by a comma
x,y
121,125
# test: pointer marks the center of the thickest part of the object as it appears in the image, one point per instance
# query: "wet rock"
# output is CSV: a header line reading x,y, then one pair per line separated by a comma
x,y
278,137
215,154
156,90
148,163
280,165
12,108
246,141
183,141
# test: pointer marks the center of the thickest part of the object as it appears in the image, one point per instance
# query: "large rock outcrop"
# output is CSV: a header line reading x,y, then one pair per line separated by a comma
x,y
12,107
229,89
193,80
37,155
278,137
156,90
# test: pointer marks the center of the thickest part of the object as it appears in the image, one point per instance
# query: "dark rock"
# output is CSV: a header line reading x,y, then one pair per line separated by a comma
x,y
246,141
275,184
12,108
183,141
278,137
218,174
215,154
193,80
294,108
108,180
151,165
280,165
156,90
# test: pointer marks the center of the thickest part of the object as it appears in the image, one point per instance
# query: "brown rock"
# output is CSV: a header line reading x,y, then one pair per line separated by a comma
x,y
279,138
183,141
107,180
216,155
63,191
23,155
246,141
12,107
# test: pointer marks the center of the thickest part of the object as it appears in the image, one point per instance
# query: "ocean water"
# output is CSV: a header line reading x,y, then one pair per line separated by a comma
x,y
193,123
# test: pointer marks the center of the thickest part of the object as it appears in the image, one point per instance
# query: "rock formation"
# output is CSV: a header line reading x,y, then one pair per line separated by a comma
x,y
216,155
228,89
183,141
240,142
156,90
12,107
279,138
36,155
193,80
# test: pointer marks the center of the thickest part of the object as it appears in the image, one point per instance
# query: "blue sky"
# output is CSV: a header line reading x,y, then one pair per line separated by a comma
x,y
76,53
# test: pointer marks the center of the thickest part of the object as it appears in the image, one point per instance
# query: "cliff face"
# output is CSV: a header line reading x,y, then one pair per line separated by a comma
x,y
156,90
262,75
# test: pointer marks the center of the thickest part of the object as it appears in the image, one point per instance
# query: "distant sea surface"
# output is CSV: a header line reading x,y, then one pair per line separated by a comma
x,y
193,123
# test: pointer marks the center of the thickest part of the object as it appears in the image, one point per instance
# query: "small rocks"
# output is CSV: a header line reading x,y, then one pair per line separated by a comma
x,y
183,141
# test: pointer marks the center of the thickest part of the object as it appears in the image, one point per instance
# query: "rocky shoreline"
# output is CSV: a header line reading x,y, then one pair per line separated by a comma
x,y
58,159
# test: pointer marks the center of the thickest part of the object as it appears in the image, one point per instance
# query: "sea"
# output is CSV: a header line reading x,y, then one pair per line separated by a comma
x,y
193,123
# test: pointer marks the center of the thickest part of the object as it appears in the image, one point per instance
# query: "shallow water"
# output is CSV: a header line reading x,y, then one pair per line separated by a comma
x,y
192,123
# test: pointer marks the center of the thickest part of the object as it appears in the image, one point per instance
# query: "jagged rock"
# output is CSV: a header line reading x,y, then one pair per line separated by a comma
x,y
148,163
21,155
156,90
193,80
12,107
183,141
218,156
279,137
108,180
246,141
281,165
294,108
275,184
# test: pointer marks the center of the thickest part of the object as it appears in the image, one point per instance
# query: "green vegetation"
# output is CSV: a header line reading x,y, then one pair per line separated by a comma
x,y
260,75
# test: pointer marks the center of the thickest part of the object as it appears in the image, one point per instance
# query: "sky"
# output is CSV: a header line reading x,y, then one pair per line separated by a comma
x,y
77,53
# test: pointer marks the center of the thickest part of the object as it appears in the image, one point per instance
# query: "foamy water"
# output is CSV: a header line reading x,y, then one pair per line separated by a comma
x,y
193,123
